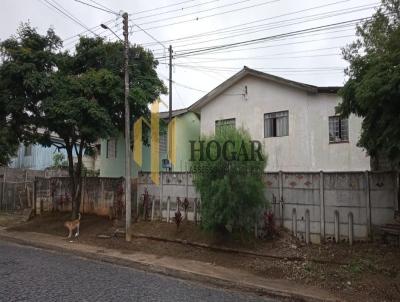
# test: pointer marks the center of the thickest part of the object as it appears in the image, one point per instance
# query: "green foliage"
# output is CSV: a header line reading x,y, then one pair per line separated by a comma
x,y
232,191
373,88
79,96
59,160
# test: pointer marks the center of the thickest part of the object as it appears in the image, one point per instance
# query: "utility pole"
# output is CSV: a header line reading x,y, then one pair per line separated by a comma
x,y
170,106
128,204
170,84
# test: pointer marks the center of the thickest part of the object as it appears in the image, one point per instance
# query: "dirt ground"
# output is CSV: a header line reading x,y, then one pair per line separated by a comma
x,y
368,271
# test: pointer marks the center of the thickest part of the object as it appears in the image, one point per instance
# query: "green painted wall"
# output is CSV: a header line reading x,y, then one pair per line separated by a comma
x,y
115,167
187,128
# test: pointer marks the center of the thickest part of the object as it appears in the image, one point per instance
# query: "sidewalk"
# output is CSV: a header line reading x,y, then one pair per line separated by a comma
x,y
179,268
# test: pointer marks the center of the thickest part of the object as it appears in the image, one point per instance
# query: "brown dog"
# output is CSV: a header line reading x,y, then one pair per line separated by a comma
x,y
72,225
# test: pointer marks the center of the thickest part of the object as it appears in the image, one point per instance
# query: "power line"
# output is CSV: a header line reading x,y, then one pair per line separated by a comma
x,y
252,22
97,7
267,58
103,6
207,16
161,7
151,36
279,24
201,11
263,39
176,10
64,12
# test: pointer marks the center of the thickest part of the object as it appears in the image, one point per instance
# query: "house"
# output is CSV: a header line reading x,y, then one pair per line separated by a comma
x,y
185,126
295,122
38,157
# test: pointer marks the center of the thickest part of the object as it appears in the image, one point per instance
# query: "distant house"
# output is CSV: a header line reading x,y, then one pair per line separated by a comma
x,y
38,157
186,126
35,156
295,122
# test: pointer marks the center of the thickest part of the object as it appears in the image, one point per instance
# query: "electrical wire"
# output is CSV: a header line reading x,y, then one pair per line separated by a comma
x,y
64,12
204,17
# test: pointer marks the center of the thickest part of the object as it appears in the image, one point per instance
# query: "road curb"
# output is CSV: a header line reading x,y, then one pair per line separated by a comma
x,y
282,295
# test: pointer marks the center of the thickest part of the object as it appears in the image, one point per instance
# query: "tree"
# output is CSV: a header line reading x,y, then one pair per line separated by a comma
x,y
231,184
79,96
26,61
372,90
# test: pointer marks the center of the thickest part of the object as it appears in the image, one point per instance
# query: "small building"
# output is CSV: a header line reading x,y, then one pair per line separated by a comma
x,y
186,127
295,122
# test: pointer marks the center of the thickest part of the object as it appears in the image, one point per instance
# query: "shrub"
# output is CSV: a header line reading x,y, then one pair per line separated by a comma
x,y
231,188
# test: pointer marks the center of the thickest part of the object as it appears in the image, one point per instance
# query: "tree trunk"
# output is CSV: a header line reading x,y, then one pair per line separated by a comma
x,y
75,175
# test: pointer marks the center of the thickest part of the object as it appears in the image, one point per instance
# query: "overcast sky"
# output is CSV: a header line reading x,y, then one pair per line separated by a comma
x,y
312,57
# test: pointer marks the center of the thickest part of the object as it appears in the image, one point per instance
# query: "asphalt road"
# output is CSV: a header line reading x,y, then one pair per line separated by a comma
x,y
29,274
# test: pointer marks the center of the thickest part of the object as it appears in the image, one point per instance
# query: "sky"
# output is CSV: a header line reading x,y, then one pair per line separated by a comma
x,y
298,40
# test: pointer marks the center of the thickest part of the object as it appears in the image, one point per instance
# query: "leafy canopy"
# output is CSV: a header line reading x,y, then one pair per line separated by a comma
x,y
79,96
373,88
231,188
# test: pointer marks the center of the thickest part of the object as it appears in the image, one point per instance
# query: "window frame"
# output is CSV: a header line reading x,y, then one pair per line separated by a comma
x,y
115,148
275,130
340,129
224,123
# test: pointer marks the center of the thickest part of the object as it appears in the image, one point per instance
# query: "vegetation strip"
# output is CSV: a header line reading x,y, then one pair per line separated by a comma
x,y
236,251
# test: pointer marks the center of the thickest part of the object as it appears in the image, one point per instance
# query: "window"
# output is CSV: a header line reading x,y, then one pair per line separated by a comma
x,y
276,124
111,148
28,150
338,129
163,142
221,125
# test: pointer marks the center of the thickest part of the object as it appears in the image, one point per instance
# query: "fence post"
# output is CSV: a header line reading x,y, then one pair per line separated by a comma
x,y
368,203
3,189
322,204
195,210
396,191
294,223
337,227
307,228
168,208
280,181
161,193
34,196
350,228
152,206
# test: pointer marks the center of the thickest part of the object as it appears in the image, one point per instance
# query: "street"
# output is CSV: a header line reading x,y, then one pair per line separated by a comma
x,y
30,274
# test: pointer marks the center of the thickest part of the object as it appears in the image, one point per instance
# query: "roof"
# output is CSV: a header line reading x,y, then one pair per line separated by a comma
x,y
178,112
262,75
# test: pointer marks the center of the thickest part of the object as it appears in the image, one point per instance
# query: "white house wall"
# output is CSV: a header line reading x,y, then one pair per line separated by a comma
x,y
307,147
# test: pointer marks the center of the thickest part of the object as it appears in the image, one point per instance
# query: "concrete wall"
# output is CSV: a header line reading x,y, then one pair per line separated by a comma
x,y
370,197
307,146
99,194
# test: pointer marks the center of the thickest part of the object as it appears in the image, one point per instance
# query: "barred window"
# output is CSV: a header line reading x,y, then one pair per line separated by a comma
x,y
276,124
222,125
163,142
111,148
338,129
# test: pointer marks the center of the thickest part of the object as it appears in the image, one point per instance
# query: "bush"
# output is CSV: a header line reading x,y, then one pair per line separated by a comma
x,y
231,187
